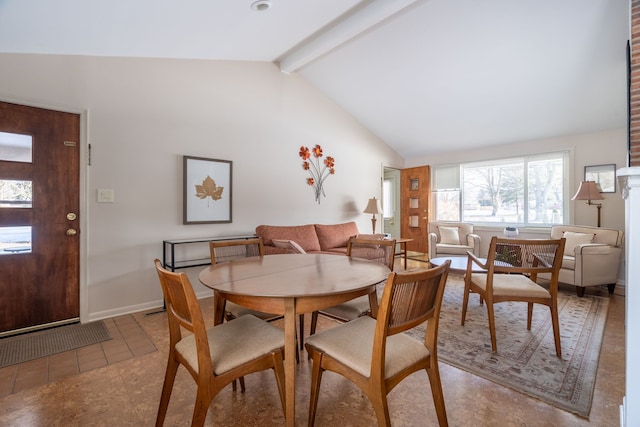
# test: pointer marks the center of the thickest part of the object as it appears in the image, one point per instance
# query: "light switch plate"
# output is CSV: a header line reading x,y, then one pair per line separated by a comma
x,y
106,195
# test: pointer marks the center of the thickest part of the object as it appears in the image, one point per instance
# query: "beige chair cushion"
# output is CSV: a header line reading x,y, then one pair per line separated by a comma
x,y
290,245
349,310
352,344
515,285
234,343
449,235
573,239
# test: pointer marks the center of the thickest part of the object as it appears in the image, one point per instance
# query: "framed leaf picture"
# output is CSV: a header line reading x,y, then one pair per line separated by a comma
x,y
207,190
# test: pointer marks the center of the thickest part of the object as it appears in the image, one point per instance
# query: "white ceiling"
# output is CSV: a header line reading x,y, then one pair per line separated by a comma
x,y
425,76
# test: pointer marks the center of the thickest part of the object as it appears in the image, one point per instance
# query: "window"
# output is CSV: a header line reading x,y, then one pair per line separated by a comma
x,y
529,190
387,198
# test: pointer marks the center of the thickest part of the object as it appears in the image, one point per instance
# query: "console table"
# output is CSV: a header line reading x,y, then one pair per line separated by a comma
x,y
195,253
185,253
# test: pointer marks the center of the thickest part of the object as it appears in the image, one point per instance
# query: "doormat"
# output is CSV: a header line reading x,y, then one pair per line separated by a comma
x,y
34,345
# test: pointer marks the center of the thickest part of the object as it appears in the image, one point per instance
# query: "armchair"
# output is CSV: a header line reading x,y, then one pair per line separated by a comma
x,y
452,239
591,256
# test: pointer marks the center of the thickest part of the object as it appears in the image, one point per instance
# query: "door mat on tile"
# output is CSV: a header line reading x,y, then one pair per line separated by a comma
x,y
34,345
526,360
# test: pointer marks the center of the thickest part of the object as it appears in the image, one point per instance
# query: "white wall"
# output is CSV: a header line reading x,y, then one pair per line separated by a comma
x,y
145,114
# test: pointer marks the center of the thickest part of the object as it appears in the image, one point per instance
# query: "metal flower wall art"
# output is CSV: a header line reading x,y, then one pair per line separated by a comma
x,y
319,172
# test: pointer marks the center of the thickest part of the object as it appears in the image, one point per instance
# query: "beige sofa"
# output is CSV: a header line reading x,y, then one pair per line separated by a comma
x,y
591,256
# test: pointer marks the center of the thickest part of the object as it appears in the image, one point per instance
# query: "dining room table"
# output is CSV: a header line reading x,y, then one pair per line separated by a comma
x,y
290,285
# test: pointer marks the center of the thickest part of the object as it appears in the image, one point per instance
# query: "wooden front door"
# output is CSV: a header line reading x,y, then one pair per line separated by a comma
x,y
415,194
39,270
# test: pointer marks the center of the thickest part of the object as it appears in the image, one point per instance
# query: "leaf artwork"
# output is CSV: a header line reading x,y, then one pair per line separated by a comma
x,y
209,189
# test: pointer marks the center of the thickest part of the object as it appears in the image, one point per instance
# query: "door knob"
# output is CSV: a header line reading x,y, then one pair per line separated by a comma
x,y
72,232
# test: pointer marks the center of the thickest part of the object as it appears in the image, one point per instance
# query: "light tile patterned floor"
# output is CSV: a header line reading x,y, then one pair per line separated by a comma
x,y
129,340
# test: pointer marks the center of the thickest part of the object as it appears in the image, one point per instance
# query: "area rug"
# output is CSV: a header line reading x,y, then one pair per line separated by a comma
x,y
526,360
34,345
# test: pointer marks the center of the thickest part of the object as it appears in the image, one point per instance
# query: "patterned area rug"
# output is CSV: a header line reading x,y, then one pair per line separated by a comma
x,y
526,360
34,345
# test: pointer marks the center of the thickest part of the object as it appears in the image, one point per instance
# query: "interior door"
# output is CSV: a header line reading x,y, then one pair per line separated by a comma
x,y
39,242
415,195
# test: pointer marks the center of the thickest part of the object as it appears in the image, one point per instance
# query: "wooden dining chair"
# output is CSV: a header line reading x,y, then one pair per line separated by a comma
x,y
374,354
216,356
511,273
377,250
227,250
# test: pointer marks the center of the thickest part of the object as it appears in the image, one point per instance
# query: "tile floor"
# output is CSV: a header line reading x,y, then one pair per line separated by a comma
x,y
118,383
129,341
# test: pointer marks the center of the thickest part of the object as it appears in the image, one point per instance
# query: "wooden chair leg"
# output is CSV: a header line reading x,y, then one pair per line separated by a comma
x,y
314,322
465,303
316,378
492,327
381,408
167,388
436,391
278,370
301,344
556,327
203,400
529,315
580,291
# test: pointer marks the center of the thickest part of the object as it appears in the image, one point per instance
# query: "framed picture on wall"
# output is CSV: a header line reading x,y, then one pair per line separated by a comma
x,y
207,190
603,175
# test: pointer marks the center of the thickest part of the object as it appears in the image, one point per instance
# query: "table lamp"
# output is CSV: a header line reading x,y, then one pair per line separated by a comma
x,y
589,191
374,208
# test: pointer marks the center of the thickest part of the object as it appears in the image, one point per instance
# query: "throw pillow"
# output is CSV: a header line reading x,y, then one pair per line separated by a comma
x,y
288,244
573,239
449,235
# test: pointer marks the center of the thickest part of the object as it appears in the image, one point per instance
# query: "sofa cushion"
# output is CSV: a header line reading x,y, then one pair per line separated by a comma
x,y
290,245
335,235
607,236
573,239
304,235
449,235
453,249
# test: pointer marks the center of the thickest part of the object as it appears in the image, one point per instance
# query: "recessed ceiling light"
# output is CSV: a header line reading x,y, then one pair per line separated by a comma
x,y
261,5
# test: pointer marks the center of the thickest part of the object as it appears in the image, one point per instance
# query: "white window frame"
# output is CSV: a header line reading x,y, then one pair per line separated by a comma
x,y
450,178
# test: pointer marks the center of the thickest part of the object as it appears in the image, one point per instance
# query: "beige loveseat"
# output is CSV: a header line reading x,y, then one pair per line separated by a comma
x,y
591,256
316,238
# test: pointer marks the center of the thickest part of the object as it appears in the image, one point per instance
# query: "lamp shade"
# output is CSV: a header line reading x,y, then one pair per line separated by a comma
x,y
373,207
588,190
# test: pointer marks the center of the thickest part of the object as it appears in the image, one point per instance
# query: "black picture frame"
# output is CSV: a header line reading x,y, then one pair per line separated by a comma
x,y
603,175
207,192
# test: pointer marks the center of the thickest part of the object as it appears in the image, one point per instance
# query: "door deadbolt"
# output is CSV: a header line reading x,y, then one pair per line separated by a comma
x,y
72,232
71,216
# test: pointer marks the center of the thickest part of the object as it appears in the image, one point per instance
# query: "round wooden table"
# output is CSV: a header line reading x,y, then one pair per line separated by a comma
x,y
292,284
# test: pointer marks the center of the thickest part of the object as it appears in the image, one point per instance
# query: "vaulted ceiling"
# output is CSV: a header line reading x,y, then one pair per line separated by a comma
x,y
425,76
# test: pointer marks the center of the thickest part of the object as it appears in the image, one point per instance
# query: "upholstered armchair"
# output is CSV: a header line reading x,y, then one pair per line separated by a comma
x,y
452,239
591,256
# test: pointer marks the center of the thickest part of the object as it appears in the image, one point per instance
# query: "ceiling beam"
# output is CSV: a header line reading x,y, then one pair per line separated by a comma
x,y
345,28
